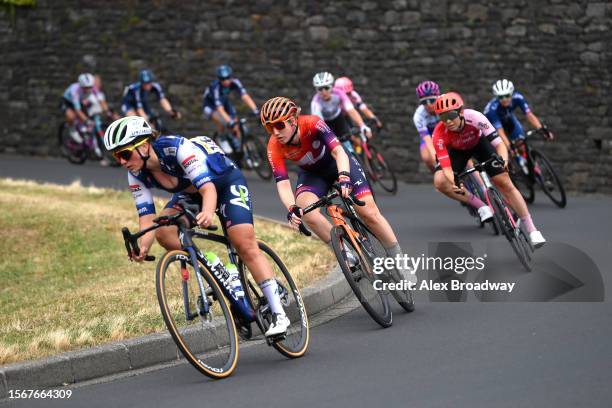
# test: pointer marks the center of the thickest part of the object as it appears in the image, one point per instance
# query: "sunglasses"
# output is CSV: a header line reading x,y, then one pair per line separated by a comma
x,y
452,115
323,88
504,96
276,125
225,79
126,153
428,101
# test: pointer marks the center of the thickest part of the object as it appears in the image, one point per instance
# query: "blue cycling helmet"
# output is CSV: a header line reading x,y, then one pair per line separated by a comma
x,y
145,76
224,72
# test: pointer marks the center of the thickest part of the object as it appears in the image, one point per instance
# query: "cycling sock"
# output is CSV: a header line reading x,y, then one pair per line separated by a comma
x,y
270,289
474,201
394,250
528,223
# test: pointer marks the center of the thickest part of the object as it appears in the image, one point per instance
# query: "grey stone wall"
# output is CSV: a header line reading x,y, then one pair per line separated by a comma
x,y
556,52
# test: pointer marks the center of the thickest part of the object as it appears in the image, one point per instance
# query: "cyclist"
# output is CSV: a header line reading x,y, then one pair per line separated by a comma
x,y
217,106
425,120
331,104
75,102
461,134
345,85
500,109
307,141
196,170
135,97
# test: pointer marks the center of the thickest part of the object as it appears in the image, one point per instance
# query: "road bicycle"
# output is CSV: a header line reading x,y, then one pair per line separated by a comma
x,y
87,143
507,222
529,166
356,238
202,311
247,150
477,188
375,165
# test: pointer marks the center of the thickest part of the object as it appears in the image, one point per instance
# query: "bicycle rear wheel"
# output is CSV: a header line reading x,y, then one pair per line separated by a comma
x,y
256,152
510,230
383,173
74,151
296,341
548,179
361,277
209,343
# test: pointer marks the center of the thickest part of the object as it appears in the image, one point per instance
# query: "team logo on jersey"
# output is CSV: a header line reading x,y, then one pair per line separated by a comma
x,y
134,188
170,151
440,144
189,161
483,125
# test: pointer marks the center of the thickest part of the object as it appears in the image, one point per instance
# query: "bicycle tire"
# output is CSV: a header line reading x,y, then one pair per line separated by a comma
x,y
508,227
379,312
295,343
521,181
257,153
384,174
76,153
213,342
375,249
546,167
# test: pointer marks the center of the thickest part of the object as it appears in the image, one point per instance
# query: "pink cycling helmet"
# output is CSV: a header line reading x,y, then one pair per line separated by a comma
x,y
344,84
427,88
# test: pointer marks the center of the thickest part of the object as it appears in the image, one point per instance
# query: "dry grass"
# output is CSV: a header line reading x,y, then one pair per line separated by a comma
x,y
65,282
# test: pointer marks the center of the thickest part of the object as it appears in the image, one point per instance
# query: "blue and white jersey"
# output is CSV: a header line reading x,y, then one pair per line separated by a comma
x,y
424,121
499,115
136,97
193,162
217,95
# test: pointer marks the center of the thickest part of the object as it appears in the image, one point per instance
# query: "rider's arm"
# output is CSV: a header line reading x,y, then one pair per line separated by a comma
x,y
533,120
246,98
342,159
208,192
146,213
285,193
315,107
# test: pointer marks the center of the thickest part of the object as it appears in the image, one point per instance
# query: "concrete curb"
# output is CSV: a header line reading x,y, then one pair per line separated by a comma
x,y
77,366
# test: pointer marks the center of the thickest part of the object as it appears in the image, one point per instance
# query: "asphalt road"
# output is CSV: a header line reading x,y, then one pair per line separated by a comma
x,y
552,353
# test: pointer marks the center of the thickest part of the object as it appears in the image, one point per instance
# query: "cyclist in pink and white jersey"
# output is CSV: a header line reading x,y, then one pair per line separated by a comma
x,y
331,104
345,85
465,133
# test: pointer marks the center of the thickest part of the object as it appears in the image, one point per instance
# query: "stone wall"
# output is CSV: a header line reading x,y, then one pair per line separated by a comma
x,y
556,52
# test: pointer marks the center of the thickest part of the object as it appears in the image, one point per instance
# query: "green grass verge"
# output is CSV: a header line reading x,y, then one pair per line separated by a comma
x,y
66,283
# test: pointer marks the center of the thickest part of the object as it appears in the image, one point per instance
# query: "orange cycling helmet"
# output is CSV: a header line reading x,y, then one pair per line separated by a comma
x,y
448,102
277,110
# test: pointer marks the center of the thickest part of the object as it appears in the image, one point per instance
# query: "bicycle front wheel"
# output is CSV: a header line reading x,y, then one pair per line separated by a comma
x,y
359,274
383,173
296,341
548,179
256,153
74,151
521,181
208,341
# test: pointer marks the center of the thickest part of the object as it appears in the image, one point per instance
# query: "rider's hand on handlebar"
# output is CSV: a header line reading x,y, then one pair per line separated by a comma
x,y
144,251
204,219
255,112
379,124
366,131
548,135
346,186
294,216
176,114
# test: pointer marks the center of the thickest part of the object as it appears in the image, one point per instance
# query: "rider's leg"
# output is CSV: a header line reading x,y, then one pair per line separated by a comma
x,y
314,219
218,121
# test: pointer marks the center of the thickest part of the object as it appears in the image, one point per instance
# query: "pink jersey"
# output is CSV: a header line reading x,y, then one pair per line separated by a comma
x,y
357,100
476,126
332,108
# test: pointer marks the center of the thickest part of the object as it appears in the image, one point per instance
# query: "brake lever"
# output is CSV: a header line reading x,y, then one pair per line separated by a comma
x,y
131,245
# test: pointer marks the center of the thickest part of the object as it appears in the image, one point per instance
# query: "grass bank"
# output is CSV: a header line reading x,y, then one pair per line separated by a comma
x,y
65,281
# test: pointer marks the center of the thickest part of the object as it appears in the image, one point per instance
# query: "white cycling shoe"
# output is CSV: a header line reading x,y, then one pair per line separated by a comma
x,y
536,238
280,324
485,213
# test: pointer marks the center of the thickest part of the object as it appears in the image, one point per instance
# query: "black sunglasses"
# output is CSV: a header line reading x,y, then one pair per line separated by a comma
x,y
452,115
428,101
324,88
504,96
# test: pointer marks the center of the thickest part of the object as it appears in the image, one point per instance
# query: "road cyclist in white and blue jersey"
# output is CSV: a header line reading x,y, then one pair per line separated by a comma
x,y
425,120
197,171
136,97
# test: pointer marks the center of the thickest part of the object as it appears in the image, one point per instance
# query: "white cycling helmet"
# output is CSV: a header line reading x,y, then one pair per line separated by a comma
x,y
503,87
323,79
86,80
125,130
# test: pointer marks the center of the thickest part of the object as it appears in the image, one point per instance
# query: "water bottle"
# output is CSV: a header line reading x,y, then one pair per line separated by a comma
x,y
235,282
217,268
523,163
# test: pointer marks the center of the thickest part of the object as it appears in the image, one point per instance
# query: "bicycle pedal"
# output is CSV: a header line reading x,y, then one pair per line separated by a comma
x,y
275,339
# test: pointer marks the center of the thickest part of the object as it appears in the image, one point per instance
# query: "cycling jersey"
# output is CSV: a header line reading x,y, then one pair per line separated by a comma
x,y
194,163
76,97
136,97
424,122
357,101
476,126
503,117
217,95
332,108
95,103
313,156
